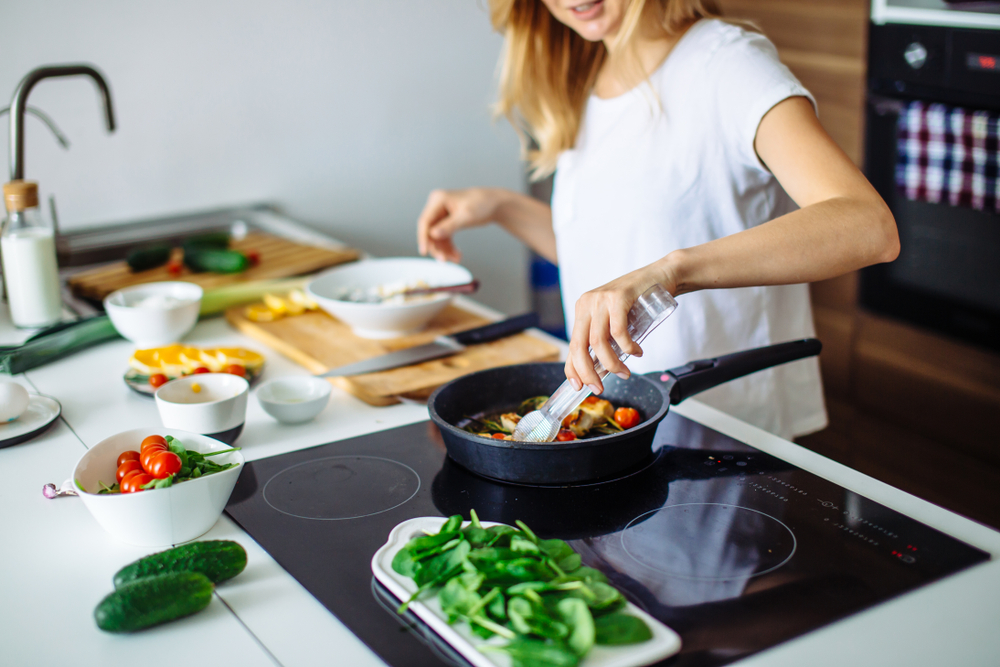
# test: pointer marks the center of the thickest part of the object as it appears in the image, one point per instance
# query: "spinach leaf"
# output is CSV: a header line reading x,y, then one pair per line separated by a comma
x,y
619,629
575,614
534,653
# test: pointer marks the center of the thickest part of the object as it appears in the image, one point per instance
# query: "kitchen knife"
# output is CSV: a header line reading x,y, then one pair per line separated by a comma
x,y
442,346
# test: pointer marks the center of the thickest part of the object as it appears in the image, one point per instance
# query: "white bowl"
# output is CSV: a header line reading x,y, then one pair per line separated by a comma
x,y
386,319
155,517
293,400
213,404
154,314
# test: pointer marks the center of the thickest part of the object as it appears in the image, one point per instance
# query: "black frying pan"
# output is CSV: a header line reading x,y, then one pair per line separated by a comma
x,y
502,389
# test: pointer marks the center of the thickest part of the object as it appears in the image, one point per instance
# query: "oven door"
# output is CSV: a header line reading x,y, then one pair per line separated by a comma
x,y
947,276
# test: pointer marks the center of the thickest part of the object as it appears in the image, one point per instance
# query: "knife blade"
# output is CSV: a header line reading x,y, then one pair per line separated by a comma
x,y
442,346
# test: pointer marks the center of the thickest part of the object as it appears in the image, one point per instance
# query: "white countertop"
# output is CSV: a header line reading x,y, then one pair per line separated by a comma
x,y
56,563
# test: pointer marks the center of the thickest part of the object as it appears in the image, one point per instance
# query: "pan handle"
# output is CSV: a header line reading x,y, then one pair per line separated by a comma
x,y
697,376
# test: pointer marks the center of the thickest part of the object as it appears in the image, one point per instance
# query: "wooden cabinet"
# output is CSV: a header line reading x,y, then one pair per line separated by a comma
x,y
907,406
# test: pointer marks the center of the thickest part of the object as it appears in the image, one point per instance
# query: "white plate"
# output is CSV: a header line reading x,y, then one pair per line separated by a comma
x,y
665,642
38,416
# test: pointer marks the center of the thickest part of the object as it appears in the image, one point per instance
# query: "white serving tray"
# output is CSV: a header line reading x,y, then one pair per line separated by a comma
x,y
665,642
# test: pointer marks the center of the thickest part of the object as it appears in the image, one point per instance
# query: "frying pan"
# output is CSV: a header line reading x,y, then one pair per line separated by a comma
x,y
502,389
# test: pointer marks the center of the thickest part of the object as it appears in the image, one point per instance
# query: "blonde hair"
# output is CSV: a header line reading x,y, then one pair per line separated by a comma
x,y
547,70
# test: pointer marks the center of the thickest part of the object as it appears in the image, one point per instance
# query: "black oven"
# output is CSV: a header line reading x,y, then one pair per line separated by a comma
x,y
947,276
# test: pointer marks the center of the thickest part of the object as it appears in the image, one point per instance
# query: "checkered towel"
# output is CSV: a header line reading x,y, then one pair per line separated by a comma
x,y
949,154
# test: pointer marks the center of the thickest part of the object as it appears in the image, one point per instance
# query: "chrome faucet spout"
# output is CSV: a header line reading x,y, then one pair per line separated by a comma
x,y
19,104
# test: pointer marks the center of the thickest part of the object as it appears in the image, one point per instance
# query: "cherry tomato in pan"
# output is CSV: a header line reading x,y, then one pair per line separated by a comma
x,y
627,417
164,465
498,436
157,380
127,456
133,483
565,435
153,440
199,370
590,400
236,369
125,468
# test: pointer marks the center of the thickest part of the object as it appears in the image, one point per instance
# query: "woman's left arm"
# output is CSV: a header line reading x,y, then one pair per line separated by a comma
x,y
842,225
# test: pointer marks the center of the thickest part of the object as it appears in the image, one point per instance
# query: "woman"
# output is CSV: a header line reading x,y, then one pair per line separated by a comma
x,y
674,137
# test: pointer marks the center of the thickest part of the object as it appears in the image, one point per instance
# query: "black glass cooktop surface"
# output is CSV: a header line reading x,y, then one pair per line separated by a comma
x,y
734,549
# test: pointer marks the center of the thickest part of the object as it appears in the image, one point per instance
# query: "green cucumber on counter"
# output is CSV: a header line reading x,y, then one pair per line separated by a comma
x,y
218,560
148,257
151,601
201,260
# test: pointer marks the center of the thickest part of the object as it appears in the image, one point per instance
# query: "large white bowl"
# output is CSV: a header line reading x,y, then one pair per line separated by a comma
x,y
154,314
156,517
387,319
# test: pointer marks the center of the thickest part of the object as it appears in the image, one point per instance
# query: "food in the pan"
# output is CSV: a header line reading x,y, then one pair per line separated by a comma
x,y
506,583
595,416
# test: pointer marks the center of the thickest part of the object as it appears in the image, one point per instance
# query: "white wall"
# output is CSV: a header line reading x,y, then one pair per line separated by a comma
x,y
344,113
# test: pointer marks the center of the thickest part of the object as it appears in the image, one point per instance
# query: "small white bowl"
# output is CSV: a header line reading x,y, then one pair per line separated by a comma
x,y
293,400
155,517
386,319
213,404
154,314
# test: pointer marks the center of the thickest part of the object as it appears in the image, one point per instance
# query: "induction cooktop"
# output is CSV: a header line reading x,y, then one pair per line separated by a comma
x,y
734,549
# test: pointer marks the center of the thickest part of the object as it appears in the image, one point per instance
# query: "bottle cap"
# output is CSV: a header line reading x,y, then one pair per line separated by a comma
x,y
19,195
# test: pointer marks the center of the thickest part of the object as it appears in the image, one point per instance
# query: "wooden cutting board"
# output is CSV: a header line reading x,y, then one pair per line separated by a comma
x,y
279,258
320,342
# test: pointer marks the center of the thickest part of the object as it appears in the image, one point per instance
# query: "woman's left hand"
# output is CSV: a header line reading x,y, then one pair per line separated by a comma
x,y
601,315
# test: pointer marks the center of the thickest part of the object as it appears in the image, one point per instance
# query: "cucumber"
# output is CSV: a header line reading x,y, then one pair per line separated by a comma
x,y
148,257
210,241
216,559
216,261
153,600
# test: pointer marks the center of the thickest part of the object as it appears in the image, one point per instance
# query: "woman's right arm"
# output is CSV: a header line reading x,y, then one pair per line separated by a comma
x,y
448,211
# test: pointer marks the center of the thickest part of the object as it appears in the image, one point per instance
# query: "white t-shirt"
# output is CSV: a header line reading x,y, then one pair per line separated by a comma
x,y
672,165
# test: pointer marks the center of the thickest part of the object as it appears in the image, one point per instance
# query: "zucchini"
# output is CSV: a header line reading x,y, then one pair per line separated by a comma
x,y
148,257
216,261
216,559
153,600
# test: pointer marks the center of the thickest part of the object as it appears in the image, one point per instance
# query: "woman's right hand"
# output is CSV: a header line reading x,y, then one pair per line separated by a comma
x,y
448,211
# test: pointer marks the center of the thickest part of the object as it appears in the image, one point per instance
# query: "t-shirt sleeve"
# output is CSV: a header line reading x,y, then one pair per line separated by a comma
x,y
750,81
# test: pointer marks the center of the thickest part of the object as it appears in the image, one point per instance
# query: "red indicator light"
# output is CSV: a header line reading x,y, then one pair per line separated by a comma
x,y
987,62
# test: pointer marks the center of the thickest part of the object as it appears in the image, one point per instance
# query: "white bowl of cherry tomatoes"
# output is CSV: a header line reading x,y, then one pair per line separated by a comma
x,y
157,487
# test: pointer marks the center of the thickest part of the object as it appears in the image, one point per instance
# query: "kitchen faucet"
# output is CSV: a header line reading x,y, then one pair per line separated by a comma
x,y
20,102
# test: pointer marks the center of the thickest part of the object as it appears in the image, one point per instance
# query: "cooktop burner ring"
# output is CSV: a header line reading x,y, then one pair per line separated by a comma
x,y
342,492
772,561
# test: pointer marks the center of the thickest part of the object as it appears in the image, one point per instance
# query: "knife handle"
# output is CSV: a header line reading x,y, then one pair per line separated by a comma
x,y
511,325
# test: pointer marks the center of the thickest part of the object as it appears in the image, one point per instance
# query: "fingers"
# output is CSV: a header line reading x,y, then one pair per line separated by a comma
x,y
434,211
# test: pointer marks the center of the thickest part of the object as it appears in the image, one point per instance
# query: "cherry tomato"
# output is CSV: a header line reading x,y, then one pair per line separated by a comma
x,y
254,257
151,453
164,465
152,440
126,484
129,455
498,436
125,468
174,268
200,369
236,369
565,435
590,400
157,380
627,417
136,482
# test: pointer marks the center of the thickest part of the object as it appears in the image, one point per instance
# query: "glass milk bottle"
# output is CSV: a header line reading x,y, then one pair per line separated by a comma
x,y
28,248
